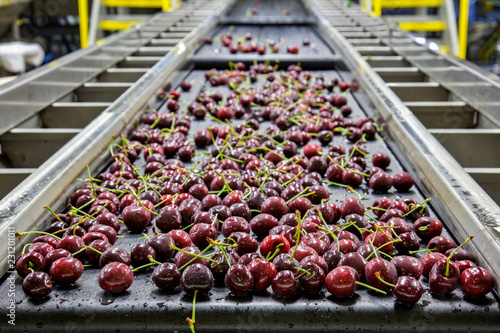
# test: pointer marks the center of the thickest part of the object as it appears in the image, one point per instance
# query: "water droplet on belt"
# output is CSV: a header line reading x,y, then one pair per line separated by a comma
x,y
107,300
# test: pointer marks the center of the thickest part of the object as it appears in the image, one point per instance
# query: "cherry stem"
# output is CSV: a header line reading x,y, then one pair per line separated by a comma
x,y
269,258
53,213
191,321
307,273
377,274
447,271
370,287
89,247
150,257
297,235
221,248
193,254
22,234
418,207
143,266
24,248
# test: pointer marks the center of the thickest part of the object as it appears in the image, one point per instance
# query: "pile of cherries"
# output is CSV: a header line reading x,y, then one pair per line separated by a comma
x,y
247,44
254,212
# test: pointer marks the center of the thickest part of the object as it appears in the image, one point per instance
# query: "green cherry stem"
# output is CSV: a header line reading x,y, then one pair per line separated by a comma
x,y
22,234
377,274
370,287
447,271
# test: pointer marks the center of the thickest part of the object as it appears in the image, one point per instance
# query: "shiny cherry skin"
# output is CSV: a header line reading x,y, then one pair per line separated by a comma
x,y
30,261
197,277
274,206
248,257
117,254
263,273
407,290
314,280
54,255
408,266
284,261
302,252
99,245
245,242
200,232
180,238
402,181
116,277
136,218
239,280
107,230
235,224
161,244
169,219
387,272
354,260
66,270
285,284
71,243
341,281
37,285
441,244
42,248
182,258
332,258
476,282
262,223
352,206
439,281
166,276
427,227
141,253
272,243
428,260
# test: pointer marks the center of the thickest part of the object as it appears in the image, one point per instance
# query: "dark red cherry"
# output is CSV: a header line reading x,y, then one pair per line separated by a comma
x,y
42,248
141,253
332,258
476,282
47,239
106,230
166,276
402,181
381,160
30,261
136,218
354,260
161,244
197,277
427,227
408,266
407,290
352,206
428,260
169,219
37,285
239,280
263,273
245,242
115,253
98,245
302,251
441,244
201,232
273,243
380,182
66,270
262,223
461,254
442,281
408,242
387,272
314,280
341,281
274,206
71,243
180,238
116,277
54,255
285,284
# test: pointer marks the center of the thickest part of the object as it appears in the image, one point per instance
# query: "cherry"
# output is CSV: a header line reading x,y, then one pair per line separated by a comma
x,y
263,273
30,261
402,181
223,260
441,244
444,277
460,254
185,86
344,246
399,225
294,49
248,257
380,182
92,236
285,284
116,277
197,277
166,276
66,270
408,266
428,261
262,223
317,260
183,258
354,260
140,254
180,238
273,243
381,160
245,242
37,285
464,264
54,255
136,218
239,280
385,269
161,244
351,206
98,245
341,281
382,203
54,242
42,248
274,206
407,290
205,217
169,218
408,241
332,258
427,227
71,243
201,232
314,278
115,254
106,230
476,282
302,251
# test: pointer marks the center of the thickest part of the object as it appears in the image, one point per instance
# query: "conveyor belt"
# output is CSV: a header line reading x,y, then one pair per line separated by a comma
x,y
143,307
